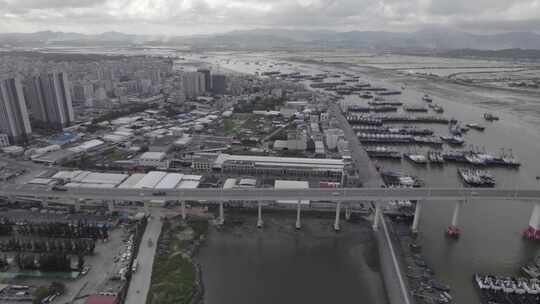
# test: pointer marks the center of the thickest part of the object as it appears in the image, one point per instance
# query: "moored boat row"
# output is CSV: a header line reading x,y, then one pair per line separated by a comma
x,y
477,178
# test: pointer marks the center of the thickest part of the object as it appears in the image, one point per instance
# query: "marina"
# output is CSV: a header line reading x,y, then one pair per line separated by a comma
x,y
459,106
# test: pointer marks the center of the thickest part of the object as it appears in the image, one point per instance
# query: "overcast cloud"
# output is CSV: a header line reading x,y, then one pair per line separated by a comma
x,y
180,17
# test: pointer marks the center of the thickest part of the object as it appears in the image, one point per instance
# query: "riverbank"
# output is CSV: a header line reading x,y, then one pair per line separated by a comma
x,y
176,277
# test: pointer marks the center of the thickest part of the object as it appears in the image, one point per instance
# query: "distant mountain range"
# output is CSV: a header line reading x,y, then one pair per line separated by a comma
x,y
437,39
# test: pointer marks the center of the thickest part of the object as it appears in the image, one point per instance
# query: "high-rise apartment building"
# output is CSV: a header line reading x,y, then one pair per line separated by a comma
x,y
14,119
50,100
219,84
207,79
193,84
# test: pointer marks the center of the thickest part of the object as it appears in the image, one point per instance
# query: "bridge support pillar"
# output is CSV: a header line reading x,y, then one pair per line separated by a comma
x,y
377,216
298,209
183,209
533,231
336,221
416,219
146,206
221,219
110,206
77,205
453,230
260,222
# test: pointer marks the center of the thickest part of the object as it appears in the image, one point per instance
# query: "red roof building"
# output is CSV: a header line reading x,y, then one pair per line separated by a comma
x,y
102,299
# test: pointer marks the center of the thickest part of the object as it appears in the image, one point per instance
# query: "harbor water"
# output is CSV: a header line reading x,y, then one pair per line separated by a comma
x,y
491,240
276,264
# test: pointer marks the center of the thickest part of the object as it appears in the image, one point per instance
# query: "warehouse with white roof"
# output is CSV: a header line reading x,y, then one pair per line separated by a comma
x,y
150,180
131,181
188,184
170,181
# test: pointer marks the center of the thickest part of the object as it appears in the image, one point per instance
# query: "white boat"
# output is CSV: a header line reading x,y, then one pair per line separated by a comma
x,y
535,287
531,271
416,158
483,283
508,285
520,288
496,284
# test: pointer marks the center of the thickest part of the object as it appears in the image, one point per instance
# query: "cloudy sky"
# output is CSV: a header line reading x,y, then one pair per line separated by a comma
x,y
181,17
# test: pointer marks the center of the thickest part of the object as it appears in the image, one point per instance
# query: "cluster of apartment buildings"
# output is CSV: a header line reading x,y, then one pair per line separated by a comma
x,y
50,102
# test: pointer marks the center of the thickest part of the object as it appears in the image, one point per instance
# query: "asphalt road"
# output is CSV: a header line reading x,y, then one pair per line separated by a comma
x,y
369,177
140,280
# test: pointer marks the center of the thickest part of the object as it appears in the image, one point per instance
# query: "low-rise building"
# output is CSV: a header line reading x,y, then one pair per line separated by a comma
x,y
280,166
152,159
288,184
4,140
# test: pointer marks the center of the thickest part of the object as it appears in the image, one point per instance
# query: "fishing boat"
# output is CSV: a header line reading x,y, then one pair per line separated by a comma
x,y
427,98
438,109
455,140
398,179
383,152
490,117
477,178
435,157
476,126
531,270
416,158
415,108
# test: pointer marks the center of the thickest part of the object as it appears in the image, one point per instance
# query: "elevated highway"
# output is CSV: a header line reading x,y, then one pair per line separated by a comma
x,y
342,195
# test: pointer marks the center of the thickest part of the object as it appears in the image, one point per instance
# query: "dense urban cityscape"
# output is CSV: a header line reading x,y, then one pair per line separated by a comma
x,y
269,166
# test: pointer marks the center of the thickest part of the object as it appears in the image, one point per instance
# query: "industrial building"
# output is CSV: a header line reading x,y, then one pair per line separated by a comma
x,y
170,181
87,179
150,180
131,181
152,159
280,166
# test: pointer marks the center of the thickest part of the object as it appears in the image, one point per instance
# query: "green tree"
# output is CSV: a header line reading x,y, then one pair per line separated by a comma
x,y
40,294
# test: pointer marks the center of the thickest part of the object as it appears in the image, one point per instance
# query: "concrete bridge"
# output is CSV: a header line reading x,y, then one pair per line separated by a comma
x,y
339,196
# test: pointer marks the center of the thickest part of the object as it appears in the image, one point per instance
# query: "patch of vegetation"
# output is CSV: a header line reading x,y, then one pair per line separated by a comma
x,y
56,288
173,274
233,124
259,104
